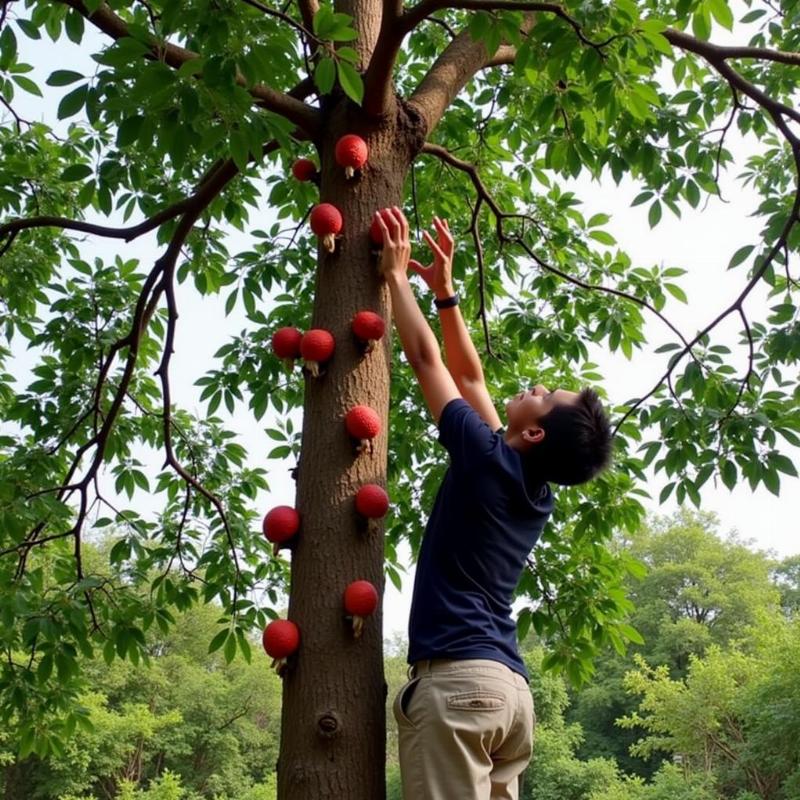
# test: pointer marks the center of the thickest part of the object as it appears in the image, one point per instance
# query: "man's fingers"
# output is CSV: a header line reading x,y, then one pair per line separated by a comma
x,y
445,237
401,218
382,225
433,246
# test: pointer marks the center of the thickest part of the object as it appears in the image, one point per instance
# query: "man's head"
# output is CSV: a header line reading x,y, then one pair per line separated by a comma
x,y
564,436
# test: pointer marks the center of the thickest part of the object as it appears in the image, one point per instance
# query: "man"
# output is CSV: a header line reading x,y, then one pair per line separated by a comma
x,y
465,718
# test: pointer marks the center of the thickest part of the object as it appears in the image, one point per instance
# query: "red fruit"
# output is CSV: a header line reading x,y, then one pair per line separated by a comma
x,y
281,524
372,501
316,347
360,600
375,232
362,422
304,169
326,221
368,327
281,638
286,343
351,153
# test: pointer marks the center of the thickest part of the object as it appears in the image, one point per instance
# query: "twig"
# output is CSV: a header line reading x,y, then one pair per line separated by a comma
x,y
272,12
481,275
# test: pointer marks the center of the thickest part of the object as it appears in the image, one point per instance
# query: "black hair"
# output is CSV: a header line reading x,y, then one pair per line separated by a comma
x,y
577,442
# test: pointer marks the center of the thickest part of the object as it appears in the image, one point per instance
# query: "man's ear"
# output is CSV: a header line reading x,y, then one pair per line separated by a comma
x,y
533,435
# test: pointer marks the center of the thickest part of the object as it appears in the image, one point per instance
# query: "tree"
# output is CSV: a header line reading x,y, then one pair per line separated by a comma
x,y
474,109
215,725
699,590
733,718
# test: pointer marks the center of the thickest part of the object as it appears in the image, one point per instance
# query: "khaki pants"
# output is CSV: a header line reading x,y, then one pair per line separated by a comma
x,y
465,730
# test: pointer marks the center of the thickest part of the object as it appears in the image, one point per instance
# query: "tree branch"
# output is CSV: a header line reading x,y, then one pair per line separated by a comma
x,y
452,70
378,77
481,274
758,53
716,56
153,287
273,12
303,115
501,216
208,188
424,9
307,10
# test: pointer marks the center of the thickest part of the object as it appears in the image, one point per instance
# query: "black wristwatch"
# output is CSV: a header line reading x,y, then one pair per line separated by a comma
x,y
447,302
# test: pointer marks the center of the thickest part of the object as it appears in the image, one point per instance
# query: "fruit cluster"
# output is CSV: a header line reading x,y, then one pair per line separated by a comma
x,y
281,638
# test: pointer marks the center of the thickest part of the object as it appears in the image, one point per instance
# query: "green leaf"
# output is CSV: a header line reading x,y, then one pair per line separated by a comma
x,y
772,481
343,33
29,29
45,668
729,474
239,150
230,649
351,81
701,22
741,255
654,215
128,131
64,77
325,75
73,102
630,633
523,623
73,25
598,219
27,85
218,640
752,16
783,463
76,172
603,237
244,645
692,193
322,21
347,54
8,48
676,292
721,11
108,651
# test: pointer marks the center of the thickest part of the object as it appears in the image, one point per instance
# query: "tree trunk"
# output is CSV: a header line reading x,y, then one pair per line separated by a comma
x,y
333,740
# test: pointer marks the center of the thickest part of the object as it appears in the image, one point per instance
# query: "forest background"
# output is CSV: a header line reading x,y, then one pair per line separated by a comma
x,y
708,708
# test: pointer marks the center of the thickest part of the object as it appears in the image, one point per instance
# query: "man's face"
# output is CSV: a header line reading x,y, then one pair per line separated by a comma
x,y
525,410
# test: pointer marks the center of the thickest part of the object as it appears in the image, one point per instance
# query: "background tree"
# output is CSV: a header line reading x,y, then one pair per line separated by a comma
x,y
472,109
731,718
213,726
700,590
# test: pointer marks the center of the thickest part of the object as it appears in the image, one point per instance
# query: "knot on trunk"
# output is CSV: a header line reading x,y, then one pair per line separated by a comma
x,y
328,724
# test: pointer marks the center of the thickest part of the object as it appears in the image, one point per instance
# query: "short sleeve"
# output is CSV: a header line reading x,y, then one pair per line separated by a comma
x,y
465,435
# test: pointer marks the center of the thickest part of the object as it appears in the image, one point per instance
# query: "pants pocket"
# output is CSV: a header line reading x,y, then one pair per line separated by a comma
x,y
477,700
403,701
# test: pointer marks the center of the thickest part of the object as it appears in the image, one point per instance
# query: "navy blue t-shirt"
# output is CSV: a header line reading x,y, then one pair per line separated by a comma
x,y
484,523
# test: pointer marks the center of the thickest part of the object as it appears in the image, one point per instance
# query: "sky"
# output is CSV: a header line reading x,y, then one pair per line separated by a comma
x,y
702,242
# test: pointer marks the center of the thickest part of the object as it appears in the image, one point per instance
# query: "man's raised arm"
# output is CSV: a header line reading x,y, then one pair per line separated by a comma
x,y
462,358
418,340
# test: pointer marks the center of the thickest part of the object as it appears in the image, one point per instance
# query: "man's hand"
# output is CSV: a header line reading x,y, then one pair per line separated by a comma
x,y
396,244
439,274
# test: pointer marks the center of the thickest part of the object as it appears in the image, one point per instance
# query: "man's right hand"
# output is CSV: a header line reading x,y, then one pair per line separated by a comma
x,y
439,274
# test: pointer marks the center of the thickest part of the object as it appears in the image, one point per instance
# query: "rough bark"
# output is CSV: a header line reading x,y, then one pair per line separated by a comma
x,y
333,725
